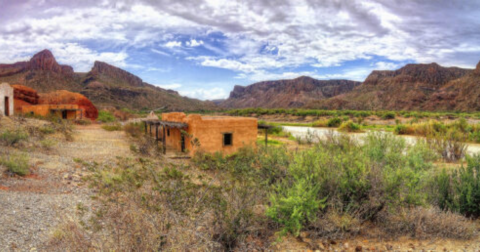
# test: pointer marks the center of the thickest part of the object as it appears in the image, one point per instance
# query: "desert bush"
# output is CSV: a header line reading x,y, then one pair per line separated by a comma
x,y
334,122
10,138
112,127
357,180
134,129
16,163
46,129
105,116
320,123
349,126
295,205
83,122
459,190
388,115
425,223
450,145
402,129
47,143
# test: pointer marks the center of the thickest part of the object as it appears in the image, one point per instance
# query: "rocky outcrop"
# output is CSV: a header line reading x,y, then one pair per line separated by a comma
x,y
286,93
25,94
431,75
477,70
66,97
103,70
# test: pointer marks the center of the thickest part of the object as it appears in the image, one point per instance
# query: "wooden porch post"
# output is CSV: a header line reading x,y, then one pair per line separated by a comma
x,y
164,142
156,132
266,137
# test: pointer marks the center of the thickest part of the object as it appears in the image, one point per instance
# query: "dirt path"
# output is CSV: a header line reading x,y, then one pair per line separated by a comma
x,y
32,208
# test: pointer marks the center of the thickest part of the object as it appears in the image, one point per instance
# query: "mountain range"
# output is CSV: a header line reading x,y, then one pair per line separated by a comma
x,y
412,87
105,85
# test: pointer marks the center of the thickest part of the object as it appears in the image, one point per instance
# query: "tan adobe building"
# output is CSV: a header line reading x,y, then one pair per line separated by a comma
x,y
64,111
6,100
211,134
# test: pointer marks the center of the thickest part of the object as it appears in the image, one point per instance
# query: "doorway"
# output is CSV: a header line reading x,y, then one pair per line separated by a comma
x,y
64,114
183,143
7,106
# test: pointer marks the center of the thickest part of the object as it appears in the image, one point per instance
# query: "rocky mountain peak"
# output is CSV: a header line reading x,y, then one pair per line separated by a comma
x,y
105,70
45,61
477,70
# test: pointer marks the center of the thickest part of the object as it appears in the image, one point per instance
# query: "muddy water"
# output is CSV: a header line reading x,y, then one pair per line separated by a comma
x,y
321,133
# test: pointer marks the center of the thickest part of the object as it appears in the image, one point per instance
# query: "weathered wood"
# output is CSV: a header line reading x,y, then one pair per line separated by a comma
x,y
266,137
164,142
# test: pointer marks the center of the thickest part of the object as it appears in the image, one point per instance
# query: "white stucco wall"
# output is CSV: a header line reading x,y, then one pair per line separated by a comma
x,y
6,91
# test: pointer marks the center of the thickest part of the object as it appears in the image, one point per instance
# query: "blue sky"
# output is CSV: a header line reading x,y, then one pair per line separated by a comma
x,y
202,48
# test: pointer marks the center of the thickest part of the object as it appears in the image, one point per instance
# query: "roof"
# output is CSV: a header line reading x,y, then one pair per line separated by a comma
x,y
166,123
264,126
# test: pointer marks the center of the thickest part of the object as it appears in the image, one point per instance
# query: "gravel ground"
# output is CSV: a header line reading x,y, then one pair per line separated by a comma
x,y
33,207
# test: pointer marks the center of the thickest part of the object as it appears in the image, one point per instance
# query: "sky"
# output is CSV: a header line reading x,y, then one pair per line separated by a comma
x,y
202,48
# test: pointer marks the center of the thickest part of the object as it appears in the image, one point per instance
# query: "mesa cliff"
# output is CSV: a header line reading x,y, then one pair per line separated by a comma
x,y
292,93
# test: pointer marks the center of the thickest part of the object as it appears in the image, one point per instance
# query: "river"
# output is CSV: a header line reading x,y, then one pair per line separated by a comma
x,y
321,133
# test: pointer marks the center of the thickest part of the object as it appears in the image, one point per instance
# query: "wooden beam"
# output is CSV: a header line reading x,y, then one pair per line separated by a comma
x,y
266,137
164,142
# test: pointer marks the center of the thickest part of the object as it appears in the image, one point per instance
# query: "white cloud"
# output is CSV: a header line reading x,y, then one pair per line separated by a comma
x,y
160,52
172,44
205,93
194,43
170,86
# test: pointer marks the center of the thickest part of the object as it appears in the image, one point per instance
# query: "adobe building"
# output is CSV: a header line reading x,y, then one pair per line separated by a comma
x,y
64,111
6,100
211,134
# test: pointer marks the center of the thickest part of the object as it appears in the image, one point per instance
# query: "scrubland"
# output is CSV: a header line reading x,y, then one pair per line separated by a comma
x,y
335,194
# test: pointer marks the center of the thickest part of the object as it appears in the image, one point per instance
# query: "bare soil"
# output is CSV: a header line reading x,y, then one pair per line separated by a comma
x,y
34,206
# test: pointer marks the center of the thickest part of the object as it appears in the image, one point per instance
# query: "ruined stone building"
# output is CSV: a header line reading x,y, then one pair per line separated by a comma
x,y
211,134
6,100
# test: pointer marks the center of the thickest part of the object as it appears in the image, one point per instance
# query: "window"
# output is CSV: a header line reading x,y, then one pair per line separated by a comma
x,y
227,139
168,132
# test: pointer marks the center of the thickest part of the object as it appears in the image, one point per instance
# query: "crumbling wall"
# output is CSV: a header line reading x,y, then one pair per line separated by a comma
x,y
6,94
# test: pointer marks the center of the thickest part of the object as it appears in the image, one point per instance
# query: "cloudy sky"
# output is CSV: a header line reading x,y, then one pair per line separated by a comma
x,y
202,48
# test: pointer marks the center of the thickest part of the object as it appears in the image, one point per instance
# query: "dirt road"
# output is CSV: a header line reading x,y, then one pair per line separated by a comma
x,y
32,208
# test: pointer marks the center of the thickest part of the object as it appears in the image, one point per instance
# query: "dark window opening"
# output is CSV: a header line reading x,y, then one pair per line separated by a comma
x,y
64,114
168,132
7,106
227,139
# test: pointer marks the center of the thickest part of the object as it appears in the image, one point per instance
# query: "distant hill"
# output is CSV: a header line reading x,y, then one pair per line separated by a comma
x,y
292,93
412,87
105,85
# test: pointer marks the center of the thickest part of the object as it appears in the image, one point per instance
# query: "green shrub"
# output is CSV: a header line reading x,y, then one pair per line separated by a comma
x,y
105,116
47,143
334,122
16,164
402,129
47,129
459,190
296,205
10,138
349,126
83,122
112,127
388,116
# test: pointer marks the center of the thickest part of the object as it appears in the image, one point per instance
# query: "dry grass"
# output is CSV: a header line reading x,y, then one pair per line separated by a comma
x,y
425,223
